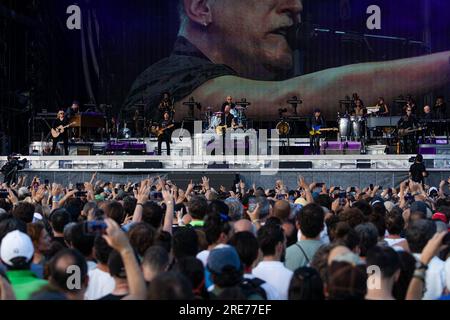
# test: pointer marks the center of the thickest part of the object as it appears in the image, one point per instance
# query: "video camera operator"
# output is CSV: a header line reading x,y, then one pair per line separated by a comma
x,y
11,168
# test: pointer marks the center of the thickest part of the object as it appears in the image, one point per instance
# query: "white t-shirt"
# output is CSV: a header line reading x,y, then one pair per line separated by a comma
x,y
447,273
434,278
271,292
203,257
393,242
275,274
100,284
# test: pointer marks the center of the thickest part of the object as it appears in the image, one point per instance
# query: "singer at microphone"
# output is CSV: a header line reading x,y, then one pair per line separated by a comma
x,y
252,57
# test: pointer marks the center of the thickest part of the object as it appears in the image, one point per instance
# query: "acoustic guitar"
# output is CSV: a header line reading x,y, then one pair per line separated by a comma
x,y
56,132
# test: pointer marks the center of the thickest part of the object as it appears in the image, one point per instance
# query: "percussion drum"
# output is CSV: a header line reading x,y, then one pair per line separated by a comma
x,y
125,133
344,127
356,125
215,120
283,128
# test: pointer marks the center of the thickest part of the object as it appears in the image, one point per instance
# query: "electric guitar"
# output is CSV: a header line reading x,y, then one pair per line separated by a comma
x,y
160,132
405,132
317,130
56,132
220,129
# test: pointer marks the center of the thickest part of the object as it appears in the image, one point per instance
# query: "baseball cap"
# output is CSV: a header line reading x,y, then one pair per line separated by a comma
x,y
14,245
220,258
440,216
23,192
433,192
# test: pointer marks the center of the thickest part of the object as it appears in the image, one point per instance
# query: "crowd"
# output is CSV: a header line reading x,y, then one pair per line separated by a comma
x,y
154,240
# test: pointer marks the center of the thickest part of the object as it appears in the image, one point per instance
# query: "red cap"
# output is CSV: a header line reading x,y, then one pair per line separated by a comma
x,y
440,216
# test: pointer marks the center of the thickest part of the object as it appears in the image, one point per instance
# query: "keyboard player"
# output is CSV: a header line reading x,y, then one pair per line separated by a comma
x,y
427,121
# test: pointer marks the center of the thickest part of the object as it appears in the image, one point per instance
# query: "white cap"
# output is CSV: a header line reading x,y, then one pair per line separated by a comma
x,y
16,244
23,191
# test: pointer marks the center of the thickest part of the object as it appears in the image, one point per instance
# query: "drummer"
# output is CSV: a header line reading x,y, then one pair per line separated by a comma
x,y
230,103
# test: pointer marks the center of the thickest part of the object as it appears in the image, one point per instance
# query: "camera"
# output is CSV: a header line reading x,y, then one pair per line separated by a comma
x,y
12,167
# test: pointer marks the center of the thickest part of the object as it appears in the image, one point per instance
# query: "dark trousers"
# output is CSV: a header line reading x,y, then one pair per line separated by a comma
x,y
315,144
410,144
167,141
65,139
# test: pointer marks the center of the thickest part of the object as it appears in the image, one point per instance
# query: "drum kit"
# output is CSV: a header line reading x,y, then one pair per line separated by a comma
x,y
214,120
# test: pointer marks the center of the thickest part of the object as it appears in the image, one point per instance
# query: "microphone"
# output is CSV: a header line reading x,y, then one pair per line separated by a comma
x,y
299,35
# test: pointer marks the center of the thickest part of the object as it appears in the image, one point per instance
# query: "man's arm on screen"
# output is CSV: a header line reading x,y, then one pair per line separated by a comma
x,y
325,88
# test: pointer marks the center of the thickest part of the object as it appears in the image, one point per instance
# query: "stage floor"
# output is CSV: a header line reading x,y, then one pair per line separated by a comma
x,y
342,170
231,163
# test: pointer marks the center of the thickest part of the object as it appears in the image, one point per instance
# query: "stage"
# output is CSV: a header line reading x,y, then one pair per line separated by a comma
x,y
338,170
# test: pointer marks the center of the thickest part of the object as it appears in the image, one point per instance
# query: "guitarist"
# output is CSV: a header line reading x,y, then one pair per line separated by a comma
x,y
316,122
61,120
409,122
165,136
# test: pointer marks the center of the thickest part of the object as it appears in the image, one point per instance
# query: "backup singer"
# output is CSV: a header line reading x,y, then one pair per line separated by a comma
x,y
166,105
383,107
316,122
409,122
61,120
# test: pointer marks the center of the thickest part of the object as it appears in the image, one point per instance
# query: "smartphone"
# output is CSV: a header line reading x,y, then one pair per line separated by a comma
x,y
252,204
95,227
46,182
320,185
80,194
371,187
337,188
4,194
352,189
80,186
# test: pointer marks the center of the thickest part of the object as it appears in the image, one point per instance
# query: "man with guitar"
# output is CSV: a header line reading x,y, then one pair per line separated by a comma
x,y
408,126
164,132
59,132
316,122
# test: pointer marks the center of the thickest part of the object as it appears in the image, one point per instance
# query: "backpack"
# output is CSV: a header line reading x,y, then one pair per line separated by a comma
x,y
252,289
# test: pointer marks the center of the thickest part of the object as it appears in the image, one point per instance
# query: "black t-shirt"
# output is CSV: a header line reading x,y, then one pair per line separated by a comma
x,y
58,122
232,106
417,170
180,74
317,122
441,111
408,122
112,297
165,124
227,119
